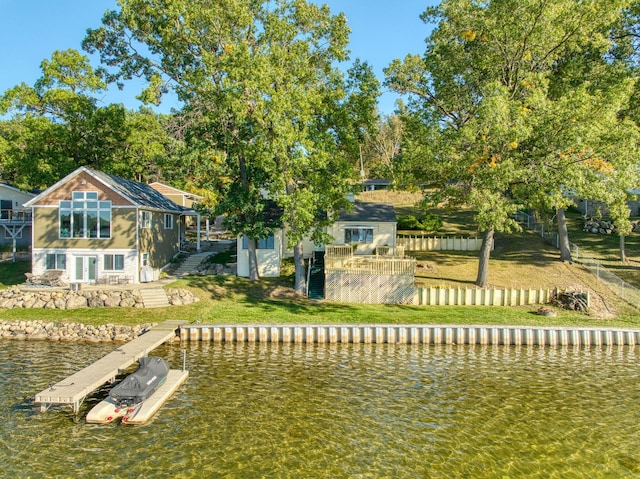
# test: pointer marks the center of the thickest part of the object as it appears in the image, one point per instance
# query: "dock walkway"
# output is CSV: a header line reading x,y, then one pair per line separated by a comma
x,y
73,390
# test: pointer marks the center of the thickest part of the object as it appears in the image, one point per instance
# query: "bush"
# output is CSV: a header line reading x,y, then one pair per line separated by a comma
x,y
428,222
431,222
408,222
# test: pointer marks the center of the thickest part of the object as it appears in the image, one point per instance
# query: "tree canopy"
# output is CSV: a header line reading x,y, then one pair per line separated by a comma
x,y
517,103
264,102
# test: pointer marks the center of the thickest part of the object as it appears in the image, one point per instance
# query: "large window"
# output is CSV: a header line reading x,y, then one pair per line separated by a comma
x,y
113,262
84,216
56,261
263,243
358,235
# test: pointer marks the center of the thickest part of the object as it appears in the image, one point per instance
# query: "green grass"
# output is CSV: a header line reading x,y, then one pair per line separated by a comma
x,y
228,299
606,248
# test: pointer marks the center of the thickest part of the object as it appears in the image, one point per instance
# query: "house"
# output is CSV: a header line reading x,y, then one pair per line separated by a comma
x,y
187,200
367,227
94,227
179,197
374,184
15,220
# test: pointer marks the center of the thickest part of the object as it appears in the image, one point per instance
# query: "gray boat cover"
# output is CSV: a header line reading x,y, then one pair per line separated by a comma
x,y
139,385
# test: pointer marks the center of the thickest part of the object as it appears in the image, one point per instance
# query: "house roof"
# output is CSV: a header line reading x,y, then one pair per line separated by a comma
x,y
376,181
374,212
13,188
170,190
139,194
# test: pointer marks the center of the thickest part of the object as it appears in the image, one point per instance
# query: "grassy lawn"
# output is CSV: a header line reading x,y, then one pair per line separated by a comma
x,y
228,299
520,260
606,248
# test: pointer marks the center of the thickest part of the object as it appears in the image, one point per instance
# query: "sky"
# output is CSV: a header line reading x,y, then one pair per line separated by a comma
x,y
30,30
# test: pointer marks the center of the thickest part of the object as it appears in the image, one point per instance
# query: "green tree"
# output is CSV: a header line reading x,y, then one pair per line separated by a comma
x,y
260,86
499,94
60,112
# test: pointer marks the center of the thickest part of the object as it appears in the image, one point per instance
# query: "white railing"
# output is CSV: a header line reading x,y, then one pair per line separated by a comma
x,y
435,243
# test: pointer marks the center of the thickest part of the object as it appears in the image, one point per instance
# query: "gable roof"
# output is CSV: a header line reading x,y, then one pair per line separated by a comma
x,y
139,194
170,190
373,212
15,189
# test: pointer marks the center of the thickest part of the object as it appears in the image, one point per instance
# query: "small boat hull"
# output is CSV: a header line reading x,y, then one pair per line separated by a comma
x,y
108,410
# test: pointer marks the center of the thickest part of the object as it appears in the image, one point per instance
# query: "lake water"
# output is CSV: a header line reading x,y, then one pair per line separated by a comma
x,y
338,411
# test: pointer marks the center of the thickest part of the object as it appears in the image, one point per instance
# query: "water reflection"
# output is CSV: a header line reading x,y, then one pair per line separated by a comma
x,y
293,410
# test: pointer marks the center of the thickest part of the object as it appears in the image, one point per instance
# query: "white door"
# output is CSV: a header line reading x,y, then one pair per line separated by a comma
x,y
85,269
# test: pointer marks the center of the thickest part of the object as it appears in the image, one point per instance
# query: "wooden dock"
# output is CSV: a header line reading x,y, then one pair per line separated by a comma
x,y
72,390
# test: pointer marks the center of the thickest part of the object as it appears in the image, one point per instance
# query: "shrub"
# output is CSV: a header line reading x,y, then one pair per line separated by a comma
x,y
428,222
408,222
431,222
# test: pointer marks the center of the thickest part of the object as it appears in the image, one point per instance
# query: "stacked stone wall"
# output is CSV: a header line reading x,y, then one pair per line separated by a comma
x,y
57,331
17,297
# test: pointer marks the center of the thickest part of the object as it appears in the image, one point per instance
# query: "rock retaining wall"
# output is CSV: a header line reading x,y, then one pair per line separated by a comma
x,y
17,297
54,331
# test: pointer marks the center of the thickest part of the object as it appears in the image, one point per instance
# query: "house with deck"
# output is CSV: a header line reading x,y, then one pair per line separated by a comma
x,y
15,219
93,227
365,229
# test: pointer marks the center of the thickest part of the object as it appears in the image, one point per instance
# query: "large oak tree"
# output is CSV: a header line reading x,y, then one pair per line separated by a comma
x,y
508,114
265,106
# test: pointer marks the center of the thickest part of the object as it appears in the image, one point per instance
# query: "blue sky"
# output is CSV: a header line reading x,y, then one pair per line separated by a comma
x,y
30,30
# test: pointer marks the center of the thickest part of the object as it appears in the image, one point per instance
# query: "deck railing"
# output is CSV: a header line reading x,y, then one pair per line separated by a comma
x,y
15,215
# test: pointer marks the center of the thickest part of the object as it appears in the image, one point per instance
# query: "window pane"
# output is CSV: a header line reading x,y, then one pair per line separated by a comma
x,y
61,261
92,224
92,204
78,224
78,205
65,204
245,242
369,236
65,224
105,205
77,195
50,261
105,224
118,262
108,262
92,195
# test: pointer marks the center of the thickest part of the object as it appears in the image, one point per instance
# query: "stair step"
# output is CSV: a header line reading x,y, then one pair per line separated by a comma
x,y
154,298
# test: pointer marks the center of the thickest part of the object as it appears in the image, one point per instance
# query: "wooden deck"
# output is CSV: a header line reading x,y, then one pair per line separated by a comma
x,y
72,390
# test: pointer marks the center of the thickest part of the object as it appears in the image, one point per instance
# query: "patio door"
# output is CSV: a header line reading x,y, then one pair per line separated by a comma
x,y
85,269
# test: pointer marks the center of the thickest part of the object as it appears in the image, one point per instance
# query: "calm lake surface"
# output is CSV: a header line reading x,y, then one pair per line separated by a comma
x,y
338,411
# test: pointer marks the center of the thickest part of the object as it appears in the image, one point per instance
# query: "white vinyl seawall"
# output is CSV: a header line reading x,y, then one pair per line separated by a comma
x,y
411,334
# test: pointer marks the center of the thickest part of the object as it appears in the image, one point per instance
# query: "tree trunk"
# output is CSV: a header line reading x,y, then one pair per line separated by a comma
x,y
253,260
483,264
301,277
563,237
623,254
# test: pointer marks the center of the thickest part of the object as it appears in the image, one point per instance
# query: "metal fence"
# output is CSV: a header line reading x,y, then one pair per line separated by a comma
x,y
620,287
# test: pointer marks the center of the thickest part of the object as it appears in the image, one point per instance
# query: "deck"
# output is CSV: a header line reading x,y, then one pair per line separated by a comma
x,y
72,390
